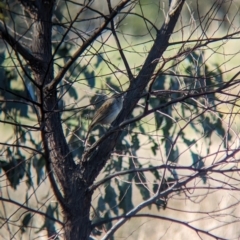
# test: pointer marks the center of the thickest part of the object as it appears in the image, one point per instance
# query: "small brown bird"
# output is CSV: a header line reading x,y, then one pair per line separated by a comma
x,y
107,113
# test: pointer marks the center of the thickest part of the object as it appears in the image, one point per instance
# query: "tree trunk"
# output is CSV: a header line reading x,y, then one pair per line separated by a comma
x,y
74,200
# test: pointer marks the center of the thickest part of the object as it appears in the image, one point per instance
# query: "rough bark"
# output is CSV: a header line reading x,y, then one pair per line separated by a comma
x,y
96,159
74,196
75,202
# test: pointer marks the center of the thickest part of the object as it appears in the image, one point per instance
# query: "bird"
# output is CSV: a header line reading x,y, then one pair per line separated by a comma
x,y
107,113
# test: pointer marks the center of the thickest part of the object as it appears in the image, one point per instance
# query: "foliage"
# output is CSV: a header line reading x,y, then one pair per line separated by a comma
x,y
180,133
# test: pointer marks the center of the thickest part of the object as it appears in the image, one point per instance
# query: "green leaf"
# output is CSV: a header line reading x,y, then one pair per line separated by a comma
x,y
141,129
195,159
25,222
2,54
110,198
49,224
158,120
166,128
159,82
140,181
161,203
64,51
174,174
171,152
29,181
99,60
187,141
199,164
101,204
15,170
107,215
135,141
219,128
117,164
90,77
155,172
38,164
155,147
113,83
73,93
125,196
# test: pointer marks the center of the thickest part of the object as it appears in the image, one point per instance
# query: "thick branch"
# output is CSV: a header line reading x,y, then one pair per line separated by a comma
x,y
135,91
16,45
29,6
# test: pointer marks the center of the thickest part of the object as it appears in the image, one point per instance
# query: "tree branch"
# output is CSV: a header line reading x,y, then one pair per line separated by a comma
x,y
121,125
136,88
21,97
49,170
29,6
30,209
151,200
21,125
128,69
177,185
184,223
85,45
16,45
21,146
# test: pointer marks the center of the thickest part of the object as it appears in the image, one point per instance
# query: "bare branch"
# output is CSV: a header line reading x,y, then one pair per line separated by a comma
x,y
162,194
140,215
21,146
138,85
22,206
129,72
16,45
20,96
21,125
29,6
85,45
